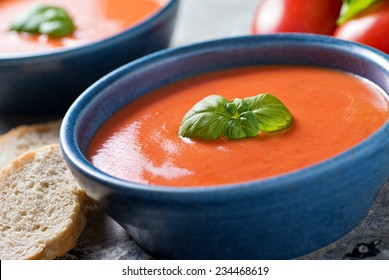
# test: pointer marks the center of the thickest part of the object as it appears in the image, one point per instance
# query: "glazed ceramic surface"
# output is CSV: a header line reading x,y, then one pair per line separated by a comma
x,y
281,217
48,82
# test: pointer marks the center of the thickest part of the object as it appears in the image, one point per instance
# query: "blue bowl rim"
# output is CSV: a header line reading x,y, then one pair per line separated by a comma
x,y
73,154
130,31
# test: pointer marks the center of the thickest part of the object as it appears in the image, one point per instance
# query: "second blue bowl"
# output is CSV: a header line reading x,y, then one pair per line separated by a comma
x,y
48,82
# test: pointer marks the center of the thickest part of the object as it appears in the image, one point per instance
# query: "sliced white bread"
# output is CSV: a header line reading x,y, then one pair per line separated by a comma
x,y
41,206
27,137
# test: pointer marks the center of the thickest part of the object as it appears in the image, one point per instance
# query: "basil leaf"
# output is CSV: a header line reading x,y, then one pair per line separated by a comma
x,y
271,113
207,119
245,126
41,19
215,116
232,109
350,8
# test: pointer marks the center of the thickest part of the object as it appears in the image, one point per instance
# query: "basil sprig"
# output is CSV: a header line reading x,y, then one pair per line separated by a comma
x,y
215,116
42,19
350,8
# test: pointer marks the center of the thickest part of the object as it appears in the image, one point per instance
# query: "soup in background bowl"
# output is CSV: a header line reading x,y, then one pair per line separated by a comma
x,y
280,216
43,75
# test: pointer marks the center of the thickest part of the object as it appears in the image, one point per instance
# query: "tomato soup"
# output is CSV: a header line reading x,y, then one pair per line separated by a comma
x,y
94,20
332,111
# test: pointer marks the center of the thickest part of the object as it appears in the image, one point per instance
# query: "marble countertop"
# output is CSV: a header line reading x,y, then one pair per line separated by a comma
x,y
201,20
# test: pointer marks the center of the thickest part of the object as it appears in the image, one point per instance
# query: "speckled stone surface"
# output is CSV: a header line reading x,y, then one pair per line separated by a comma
x,y
201,20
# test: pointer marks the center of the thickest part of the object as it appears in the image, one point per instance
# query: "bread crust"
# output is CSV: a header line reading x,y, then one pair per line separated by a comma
x,y
26,235
26,137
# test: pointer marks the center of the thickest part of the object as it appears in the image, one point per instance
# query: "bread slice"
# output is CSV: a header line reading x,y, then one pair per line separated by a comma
x,y
42,210
27,137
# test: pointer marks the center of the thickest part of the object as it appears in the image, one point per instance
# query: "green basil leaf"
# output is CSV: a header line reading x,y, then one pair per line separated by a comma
x,y
350,8
271,113
215,116
232,109
243,127
41,19
236,107
207,119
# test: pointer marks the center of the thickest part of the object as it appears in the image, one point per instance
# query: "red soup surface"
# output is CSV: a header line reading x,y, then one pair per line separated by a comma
x,y
332,111
94,20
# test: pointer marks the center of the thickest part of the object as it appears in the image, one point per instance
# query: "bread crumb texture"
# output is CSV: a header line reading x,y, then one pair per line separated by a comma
x,y
41,206
27,137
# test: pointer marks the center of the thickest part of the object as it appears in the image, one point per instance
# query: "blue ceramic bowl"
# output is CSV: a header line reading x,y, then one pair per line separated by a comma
x,y
48,82
280,217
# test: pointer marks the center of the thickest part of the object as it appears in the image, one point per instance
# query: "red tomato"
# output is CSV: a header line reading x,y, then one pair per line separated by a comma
x,y
370,27
309,16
